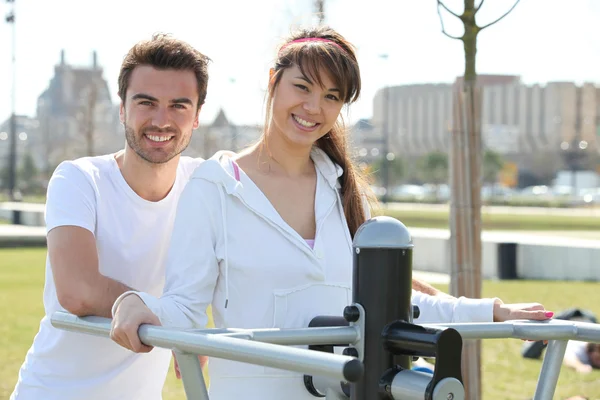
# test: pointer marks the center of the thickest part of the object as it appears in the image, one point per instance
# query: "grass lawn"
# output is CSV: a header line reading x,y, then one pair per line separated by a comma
x,y
506,375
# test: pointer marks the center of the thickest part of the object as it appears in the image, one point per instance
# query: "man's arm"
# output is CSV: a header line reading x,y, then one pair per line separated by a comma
x,y
424,287
80,287
572,361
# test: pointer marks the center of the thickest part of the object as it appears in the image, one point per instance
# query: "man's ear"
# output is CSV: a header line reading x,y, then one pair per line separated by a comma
x,y
122,112
197,119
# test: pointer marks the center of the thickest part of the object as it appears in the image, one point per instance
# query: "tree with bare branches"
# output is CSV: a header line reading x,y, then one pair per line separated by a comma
x,y
320,10
465,180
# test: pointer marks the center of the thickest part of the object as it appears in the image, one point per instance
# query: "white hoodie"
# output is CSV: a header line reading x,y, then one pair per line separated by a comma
x,y
230,248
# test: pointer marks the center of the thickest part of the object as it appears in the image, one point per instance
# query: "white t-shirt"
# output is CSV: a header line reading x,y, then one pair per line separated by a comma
x,y
132,237
577,349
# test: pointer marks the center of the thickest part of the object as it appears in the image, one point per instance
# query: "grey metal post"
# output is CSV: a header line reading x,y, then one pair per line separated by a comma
x,y
550,370
191,375
382,284
12,154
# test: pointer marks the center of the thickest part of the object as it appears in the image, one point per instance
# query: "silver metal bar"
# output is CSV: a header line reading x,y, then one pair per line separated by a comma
x,y
96,326
265,354
546,386
412,385
532,330
191,375
409,385
336,335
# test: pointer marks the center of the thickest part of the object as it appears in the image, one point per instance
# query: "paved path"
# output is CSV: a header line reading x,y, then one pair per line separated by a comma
x,y
546,238
20,235
577,212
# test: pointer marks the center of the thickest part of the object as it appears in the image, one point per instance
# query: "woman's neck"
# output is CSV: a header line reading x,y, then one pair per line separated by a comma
x,y
284,158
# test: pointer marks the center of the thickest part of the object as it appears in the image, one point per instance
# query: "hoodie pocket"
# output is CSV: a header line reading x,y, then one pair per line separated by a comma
x,y
295,307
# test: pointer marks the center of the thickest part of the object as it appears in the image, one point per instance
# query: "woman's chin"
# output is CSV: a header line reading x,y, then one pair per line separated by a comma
x,y
301,139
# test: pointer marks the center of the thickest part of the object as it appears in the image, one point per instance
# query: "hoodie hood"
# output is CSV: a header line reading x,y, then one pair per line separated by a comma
x,y
219,170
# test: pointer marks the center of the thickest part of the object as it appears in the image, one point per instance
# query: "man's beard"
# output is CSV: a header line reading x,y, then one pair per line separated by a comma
x,y
155,156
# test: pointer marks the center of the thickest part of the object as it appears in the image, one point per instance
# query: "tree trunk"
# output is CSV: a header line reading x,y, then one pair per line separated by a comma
x,y
470,41
465,211
91,112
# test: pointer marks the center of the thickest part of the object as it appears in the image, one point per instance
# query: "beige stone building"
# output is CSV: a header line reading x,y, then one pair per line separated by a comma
x,y
517,119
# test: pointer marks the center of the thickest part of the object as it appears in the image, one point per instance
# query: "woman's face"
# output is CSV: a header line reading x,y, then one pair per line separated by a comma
x,y
303,111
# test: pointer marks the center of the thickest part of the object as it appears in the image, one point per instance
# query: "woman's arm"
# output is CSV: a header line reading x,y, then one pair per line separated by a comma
x,y
436,309
191,274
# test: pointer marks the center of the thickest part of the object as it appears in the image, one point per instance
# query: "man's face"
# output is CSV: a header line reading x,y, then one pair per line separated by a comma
x,y
160,112
594,356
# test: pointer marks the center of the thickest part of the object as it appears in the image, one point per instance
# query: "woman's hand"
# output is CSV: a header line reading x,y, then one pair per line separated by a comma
x,y
532,311
130,314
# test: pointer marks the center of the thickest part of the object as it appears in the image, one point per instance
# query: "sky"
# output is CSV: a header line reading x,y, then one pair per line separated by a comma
x,y
541,41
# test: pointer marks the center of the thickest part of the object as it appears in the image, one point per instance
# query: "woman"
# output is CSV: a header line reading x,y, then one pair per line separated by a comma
x,y
265,236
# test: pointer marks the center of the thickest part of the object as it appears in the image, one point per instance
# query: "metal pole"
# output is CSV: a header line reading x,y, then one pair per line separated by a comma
x,y
343,368
574,159
527,330
382,270
386,146
385,174
550,370
12,160
191,375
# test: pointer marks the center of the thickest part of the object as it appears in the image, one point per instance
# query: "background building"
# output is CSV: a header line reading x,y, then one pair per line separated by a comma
x,y
540,128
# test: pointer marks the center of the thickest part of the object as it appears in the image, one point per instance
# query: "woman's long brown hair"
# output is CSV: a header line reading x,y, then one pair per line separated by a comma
x,y
338,60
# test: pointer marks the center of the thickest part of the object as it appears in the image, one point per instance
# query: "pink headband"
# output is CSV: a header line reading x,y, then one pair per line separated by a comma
x,y
311,39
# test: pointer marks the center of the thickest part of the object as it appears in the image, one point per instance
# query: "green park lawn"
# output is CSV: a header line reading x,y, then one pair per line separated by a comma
x,y
506,375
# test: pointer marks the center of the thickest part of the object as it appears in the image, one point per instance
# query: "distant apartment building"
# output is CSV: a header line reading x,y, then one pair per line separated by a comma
x,y
517,119
520,119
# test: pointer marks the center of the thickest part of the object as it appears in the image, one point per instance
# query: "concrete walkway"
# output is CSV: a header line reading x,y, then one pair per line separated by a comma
x,y
567,211
22,236
13,235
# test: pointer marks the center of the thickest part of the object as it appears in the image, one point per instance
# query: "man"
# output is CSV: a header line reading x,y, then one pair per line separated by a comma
x,y
582,357
109,221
